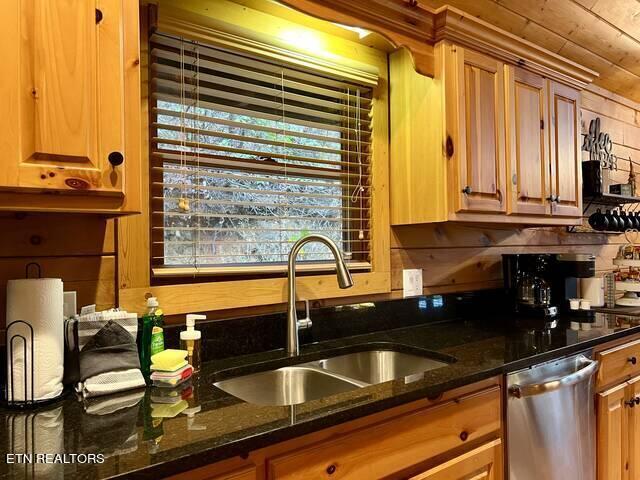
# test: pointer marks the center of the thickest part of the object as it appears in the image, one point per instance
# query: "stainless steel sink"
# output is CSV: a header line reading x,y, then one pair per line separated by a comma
x,y
322,378
286,386
378,366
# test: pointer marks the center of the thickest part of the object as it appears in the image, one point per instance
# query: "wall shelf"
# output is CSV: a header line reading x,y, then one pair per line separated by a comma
x,y
610,199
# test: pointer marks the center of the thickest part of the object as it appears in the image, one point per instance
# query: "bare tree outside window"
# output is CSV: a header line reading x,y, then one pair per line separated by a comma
x,y
249,156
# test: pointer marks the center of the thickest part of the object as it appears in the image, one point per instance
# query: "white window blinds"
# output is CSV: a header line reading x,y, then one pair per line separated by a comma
x,y
248,156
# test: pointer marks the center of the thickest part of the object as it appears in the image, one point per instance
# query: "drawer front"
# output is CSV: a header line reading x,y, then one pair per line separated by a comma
x,y
394,445
618,363
214,472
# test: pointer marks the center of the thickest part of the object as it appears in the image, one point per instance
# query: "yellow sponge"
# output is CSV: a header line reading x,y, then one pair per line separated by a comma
x,y
169,360
165,410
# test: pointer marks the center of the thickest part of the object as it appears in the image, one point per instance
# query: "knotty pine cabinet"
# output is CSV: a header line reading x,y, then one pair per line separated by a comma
x,y
453,437
618,410
71,106
482,463
483,141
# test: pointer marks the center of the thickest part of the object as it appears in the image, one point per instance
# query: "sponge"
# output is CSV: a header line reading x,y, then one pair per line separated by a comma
x,y
164,410
169,360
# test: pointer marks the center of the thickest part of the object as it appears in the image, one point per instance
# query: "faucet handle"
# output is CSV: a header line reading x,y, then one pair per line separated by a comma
x,y
305,322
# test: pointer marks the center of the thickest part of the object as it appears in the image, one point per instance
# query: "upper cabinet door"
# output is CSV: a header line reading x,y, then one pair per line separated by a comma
x,y
63,92
527,142
566,170
477,133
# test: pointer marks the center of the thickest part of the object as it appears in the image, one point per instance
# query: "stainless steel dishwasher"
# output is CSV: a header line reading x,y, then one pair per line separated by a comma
x,y
551,420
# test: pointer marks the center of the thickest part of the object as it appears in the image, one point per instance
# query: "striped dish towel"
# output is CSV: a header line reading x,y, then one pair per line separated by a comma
x,y
90,323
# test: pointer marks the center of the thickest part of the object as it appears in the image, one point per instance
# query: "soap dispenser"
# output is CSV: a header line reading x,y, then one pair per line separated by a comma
x,y
190,340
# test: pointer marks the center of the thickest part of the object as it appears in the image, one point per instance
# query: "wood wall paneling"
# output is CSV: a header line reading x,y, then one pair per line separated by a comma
x,y
455,257
79,249
602,35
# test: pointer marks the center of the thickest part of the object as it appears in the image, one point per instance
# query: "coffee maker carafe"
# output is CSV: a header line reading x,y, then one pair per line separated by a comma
x,y
527,283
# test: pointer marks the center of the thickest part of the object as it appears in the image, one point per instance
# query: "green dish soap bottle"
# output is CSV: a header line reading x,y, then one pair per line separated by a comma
x,y
152,335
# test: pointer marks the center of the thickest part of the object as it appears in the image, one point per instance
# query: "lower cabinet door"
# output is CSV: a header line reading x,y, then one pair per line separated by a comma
x,y
482,463
633,395
613,434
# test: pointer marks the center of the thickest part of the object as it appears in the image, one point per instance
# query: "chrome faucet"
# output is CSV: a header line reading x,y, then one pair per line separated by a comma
x,y
344,281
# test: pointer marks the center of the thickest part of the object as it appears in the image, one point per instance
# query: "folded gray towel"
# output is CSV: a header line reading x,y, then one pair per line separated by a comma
x,y
109,362
111,349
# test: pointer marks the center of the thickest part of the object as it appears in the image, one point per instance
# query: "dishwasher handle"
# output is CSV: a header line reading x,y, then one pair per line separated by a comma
x,y
589,367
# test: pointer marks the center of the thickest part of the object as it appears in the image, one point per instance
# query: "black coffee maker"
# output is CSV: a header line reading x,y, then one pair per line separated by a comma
x,y
528,282
541,284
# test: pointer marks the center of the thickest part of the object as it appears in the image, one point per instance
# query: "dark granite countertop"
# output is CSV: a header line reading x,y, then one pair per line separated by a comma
x,y
142,437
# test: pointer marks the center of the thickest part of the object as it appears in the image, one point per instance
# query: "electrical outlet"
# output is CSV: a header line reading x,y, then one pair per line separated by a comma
x,y
412,282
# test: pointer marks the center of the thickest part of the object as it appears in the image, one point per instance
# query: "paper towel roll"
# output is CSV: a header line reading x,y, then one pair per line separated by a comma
x,y
40,303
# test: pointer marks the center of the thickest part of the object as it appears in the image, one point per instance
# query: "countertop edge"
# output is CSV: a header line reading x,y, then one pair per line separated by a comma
x,y
246,445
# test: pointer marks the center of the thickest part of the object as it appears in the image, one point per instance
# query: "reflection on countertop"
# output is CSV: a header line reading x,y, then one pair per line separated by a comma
x,y
160,432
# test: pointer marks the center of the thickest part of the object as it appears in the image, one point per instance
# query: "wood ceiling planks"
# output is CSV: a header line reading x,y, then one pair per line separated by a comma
x,y
603,35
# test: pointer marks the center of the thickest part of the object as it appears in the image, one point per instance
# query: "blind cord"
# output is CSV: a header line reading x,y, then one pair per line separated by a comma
x,y
286,160
358,191
197,129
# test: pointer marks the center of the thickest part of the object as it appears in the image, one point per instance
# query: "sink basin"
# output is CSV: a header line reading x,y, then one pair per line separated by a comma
x,y
378,366
286,386
369,364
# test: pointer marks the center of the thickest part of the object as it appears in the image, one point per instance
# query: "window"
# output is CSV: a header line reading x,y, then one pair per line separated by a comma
x,y
248,156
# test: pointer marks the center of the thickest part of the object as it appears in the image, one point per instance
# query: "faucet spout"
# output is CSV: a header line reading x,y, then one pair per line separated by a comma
x,y
344,281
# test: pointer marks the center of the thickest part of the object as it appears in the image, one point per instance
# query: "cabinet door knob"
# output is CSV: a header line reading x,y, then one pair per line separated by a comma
x,y
632,360
449,146
633,402
116,158
99,16
467,190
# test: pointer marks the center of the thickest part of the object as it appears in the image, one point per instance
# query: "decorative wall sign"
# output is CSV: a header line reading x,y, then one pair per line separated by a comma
x,y
599,146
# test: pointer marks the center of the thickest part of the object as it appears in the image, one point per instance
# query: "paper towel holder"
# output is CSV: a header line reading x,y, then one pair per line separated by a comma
x,y
32,264
11,341
29,361
29,401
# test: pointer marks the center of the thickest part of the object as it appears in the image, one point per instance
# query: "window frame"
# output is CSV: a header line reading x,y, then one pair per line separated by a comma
x,y
181,295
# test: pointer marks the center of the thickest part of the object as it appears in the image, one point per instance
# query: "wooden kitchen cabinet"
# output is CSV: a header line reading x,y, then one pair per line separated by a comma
x,y
396,445
528,140
482,463
633,395
476,127
454,436
565,141
612,434
502,144
618,410
71,97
